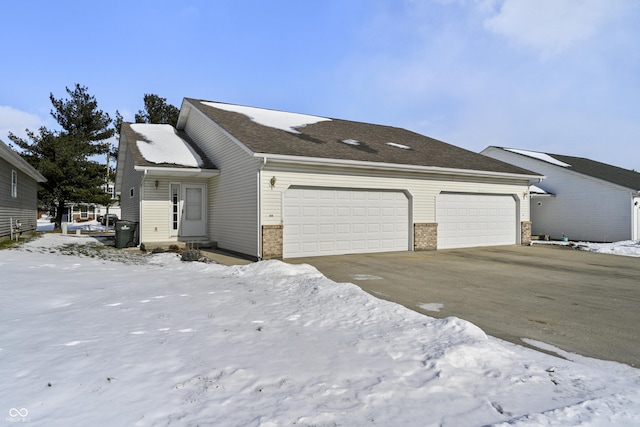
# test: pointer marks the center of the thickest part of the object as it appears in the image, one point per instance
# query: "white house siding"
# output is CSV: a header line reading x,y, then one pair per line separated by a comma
x,y
130,206
156,208
582,208
233,195
422,189
636,218
23,207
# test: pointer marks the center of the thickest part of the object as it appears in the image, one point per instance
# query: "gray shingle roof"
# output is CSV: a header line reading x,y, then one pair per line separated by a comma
x,y
624,177
325,140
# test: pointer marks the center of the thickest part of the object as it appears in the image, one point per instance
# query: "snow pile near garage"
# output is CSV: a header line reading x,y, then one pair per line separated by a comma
x,y
155,341
272,118
626,248
163,145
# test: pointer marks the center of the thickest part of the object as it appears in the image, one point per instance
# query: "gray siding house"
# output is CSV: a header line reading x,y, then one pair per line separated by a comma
x,y
275,184
18,193
581,199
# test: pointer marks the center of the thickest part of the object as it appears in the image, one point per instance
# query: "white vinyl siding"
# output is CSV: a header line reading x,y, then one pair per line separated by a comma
x,y
471,220
23,207
636,218
422,189
581,207
329,221
157,208
130,206
233,195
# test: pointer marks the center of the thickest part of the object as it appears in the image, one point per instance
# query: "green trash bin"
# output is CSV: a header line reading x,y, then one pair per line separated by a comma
x,y
125,232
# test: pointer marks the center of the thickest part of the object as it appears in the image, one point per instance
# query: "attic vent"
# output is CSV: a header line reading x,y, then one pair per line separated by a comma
x,y
404,147
351,142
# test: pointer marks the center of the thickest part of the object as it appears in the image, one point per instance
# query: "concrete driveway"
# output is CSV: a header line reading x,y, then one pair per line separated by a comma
x,y
580,302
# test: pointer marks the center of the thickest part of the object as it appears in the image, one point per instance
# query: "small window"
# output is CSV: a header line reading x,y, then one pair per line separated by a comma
x,y
84,212
131,192
14,184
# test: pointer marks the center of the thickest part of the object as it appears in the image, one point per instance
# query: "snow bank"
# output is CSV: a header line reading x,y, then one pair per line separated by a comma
x,y
87,341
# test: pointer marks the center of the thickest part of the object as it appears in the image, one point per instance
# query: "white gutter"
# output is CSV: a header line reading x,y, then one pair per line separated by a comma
x,y
156,170
259,200
389,166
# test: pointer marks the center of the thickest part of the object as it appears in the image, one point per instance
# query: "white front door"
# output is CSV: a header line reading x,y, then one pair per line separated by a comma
x,y
188,210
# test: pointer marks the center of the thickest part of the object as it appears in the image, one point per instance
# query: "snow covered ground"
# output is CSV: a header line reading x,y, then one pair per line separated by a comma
x,y
93,336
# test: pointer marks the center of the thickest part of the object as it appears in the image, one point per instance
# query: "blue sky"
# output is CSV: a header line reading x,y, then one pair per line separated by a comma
x,y
559,76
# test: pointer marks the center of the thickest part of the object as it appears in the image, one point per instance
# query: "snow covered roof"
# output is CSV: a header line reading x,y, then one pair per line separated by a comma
x,y
540,156
272,118
534,190
161,148
160,144
280,133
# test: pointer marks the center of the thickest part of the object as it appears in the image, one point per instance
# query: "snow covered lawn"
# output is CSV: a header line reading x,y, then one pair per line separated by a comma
x,y
149,340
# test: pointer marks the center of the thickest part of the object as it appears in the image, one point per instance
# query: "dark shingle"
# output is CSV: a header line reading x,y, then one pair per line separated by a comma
x,y
324,140
624,177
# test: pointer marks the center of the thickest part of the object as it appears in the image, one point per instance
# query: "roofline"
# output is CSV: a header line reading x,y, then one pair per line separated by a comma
x,y
16,160
187,106
391,166
169,171
568,169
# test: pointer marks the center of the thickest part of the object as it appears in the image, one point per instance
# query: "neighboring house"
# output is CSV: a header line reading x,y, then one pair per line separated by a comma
x,y
18,193
580,198
272,184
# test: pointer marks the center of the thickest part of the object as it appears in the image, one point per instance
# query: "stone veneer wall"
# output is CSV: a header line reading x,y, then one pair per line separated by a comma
x,y
425,236
525,232
272,241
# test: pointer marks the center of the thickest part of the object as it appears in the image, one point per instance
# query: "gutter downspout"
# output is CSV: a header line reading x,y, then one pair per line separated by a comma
x,y
259,201
140,198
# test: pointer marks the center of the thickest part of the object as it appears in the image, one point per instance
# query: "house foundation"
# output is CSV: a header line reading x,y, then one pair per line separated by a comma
x,y
425,236
525,232
272,242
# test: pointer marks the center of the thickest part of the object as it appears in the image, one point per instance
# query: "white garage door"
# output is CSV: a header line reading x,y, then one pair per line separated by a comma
x,y
468,220
333,222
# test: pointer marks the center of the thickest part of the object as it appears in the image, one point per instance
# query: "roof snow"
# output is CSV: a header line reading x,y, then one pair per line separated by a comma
x,y
540,156
534,189
351,141
271,118
404,147
163,145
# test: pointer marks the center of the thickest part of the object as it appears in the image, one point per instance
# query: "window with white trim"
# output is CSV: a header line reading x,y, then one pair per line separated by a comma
x,y
14,184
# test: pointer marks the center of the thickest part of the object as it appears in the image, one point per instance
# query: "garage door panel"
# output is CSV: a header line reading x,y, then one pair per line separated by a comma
x,y
324,222
467,220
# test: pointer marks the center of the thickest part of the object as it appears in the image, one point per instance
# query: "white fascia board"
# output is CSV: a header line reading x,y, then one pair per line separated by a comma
x,y
16,160
390,166
162,171
187,105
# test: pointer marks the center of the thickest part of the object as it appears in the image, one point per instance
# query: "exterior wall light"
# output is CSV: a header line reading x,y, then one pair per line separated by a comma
x,y
156,184
273,181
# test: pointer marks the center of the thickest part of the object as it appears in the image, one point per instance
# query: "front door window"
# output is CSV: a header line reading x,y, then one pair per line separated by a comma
x,y
175,209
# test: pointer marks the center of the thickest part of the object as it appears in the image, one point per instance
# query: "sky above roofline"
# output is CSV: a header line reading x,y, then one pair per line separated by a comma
x,y
560,76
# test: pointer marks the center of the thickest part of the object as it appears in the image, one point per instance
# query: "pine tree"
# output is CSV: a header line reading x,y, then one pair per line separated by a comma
x,y
156,110
66,157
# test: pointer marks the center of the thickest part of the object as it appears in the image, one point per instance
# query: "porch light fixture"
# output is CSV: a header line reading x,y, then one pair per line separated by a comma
x,y
273,181
156,184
